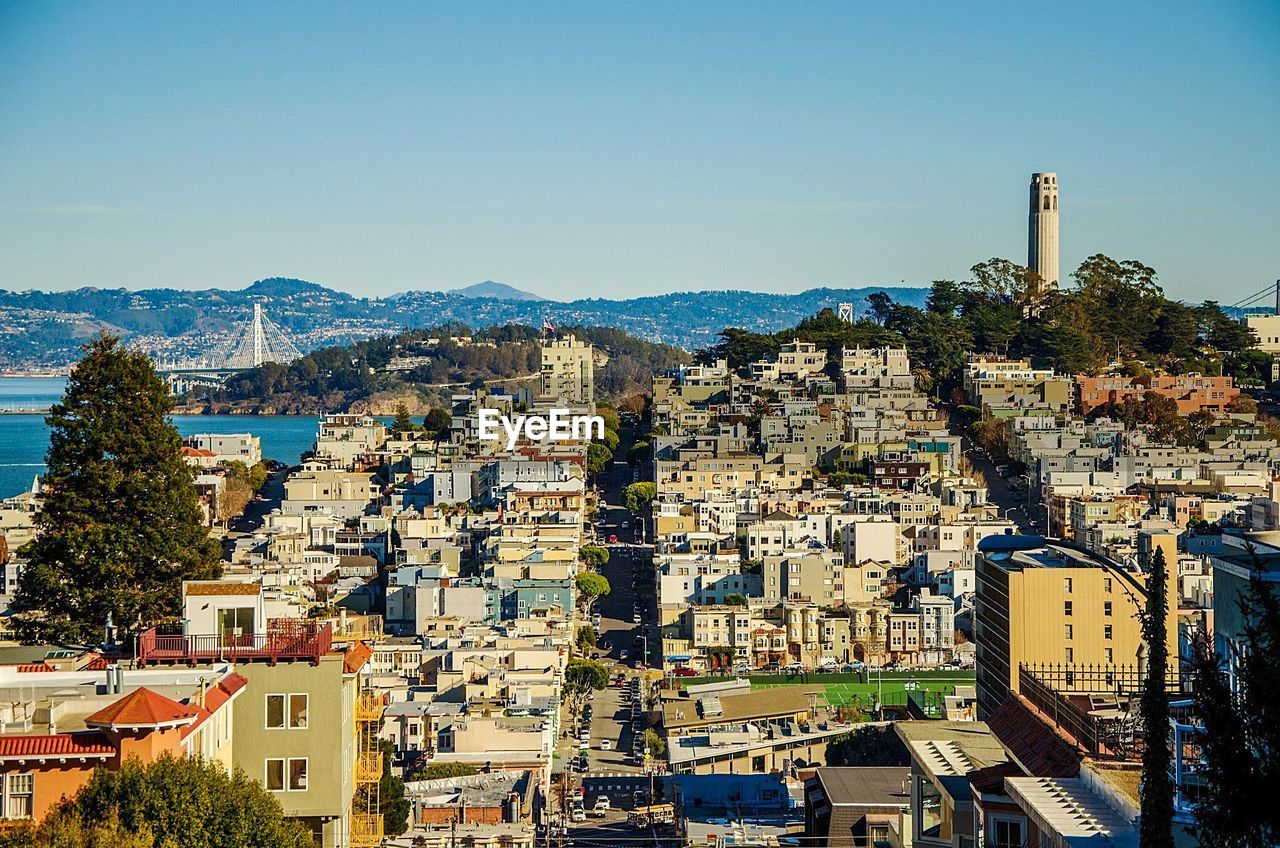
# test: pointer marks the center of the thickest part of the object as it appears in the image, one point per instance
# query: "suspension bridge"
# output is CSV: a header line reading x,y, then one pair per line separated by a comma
x,y
256,341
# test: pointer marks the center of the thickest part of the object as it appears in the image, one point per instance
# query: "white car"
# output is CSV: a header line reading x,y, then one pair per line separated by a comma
x,y
602,804
578,814
605,745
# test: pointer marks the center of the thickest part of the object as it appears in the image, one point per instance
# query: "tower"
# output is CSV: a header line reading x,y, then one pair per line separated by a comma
x,y
1042,226
844,311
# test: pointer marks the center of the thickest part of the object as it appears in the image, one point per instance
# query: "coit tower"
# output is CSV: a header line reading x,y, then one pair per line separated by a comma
x,y
1042,237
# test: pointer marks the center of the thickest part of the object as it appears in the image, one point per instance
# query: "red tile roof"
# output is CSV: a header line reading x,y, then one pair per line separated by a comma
x,y
143,708
215,698
355,657
1031,742
54,747
27,668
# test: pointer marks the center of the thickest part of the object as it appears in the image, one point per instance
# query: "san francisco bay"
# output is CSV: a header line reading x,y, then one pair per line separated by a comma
x,y
24,437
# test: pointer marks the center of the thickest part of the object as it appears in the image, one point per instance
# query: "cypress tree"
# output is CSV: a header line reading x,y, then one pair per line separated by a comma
x,y
1156,829
1240,746
120,527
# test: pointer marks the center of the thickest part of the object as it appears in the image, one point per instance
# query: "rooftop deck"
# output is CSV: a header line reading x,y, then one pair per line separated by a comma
x,y
289,640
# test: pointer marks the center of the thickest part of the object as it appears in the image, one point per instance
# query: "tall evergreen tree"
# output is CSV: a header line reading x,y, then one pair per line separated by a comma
x,y
120,527
1156,829
402,422
1240,746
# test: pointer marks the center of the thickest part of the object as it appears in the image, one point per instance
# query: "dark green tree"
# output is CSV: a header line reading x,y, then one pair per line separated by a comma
x,y
436,422
637,496
402,423
591,585
121,526
1156,829
1240,745
868,746
735,599
185,801
581,675
594,555
440,771
392,804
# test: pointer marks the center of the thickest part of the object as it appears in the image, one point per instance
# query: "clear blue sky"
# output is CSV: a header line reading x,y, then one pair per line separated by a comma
x,y
609,149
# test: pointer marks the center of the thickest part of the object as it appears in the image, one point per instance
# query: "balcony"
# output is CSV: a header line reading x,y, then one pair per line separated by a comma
x,y
369,707
1096,705
285,639
369,767
366,830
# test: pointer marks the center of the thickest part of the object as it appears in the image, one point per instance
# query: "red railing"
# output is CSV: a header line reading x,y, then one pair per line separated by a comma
x,y
285,639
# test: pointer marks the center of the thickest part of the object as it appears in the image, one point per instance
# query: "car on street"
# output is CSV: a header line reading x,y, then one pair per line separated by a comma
x,y
685,671
602,804
622,655
579,814
606,745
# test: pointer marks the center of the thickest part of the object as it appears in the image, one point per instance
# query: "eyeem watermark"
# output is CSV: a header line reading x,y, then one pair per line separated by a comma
x,y
558,425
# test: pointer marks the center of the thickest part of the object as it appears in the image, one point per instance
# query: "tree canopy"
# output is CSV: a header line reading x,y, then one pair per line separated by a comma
x,y
185,801
1240,746
592,585
637,496
120,527
581,675
440,771
1116,311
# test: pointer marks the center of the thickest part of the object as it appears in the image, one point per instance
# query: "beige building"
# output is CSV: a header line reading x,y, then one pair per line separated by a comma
x,y
1054,603
567,370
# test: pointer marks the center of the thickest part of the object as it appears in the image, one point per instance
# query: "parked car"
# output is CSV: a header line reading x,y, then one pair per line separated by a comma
x,y
602,803
606,745
685,671
578,815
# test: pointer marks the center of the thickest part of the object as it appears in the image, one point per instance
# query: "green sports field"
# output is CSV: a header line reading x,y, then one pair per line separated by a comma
x,y
892,688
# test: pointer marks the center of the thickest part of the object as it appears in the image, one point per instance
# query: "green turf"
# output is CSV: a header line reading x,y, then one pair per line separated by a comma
x,y
862,694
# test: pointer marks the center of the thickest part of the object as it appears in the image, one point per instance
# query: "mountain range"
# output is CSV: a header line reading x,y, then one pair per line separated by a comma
x,y
43,330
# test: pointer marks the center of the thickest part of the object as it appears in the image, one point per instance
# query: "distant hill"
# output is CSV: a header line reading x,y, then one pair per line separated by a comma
x,y
500,291
45,330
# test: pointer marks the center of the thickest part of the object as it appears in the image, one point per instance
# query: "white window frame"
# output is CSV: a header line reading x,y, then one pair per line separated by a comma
x,y
9,795
285,764
288,699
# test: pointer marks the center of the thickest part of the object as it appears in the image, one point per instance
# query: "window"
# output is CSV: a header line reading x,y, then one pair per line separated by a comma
x,y
1066,584
1109,655
1066,608
287,775
297,775
19,790
1106,631
287,712
1106,608
1007,833
1070,656
1106,585
275,775
1069,631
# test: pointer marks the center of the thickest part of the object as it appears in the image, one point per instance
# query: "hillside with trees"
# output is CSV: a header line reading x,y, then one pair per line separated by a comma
x,y
420,368
1114,316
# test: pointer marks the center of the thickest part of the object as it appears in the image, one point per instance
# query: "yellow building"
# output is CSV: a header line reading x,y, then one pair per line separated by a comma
x,y
1053,603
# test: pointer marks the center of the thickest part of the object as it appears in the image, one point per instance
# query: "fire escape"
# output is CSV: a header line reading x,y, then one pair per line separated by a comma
x,y
366,818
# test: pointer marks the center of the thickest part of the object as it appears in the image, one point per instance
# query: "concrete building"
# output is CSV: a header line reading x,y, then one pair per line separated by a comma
x,y
567,370
1042,229
1051,603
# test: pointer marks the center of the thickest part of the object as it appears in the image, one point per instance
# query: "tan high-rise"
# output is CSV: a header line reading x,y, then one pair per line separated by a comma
x,y
1042,236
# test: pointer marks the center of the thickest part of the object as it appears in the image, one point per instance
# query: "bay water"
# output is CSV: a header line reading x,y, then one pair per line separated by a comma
x,y
24,437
